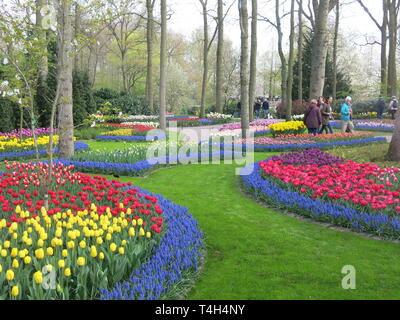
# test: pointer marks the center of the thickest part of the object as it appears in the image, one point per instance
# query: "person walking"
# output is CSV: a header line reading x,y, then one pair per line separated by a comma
x,y
393,107
312,118
380,107
265,107
257,108
346,113
327,116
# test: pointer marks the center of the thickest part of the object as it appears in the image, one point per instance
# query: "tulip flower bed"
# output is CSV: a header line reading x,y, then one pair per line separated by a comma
x,y
79,146
94,234
287,128
14,144
140,133
360,196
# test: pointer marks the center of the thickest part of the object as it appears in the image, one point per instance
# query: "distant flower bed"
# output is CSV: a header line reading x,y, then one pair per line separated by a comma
x,y
376,125
140,118
143,123
266,144
260,124
27,132
94,234
134,133
360,196
214,115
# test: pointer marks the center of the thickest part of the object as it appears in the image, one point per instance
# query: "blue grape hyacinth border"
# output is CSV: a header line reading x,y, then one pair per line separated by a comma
x,y
79,146
276,147
142,167
376,224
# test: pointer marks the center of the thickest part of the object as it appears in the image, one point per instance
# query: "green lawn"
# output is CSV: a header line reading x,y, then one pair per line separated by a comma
x,y
257,253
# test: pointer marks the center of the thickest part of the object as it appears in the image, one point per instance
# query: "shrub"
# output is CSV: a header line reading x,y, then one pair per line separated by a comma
x,y
132,105
299,107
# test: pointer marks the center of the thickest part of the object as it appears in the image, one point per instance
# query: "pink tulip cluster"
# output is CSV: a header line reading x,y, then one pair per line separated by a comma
x,y
27,132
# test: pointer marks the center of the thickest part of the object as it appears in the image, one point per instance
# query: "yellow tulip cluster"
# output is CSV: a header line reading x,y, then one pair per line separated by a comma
x,y
120,132
289,127
26,143
73,247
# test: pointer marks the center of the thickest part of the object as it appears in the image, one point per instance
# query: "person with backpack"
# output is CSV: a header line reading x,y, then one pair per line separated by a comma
x,y
380,107
393,107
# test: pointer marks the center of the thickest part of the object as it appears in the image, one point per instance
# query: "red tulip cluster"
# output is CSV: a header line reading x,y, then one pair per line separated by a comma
x,y
364,185
73,192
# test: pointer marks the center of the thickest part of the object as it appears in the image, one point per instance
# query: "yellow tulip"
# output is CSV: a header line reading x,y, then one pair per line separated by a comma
x,y
50,251
121,250
38,277
148,234
1,268
10,275
101,256
15,291
27,260
113,247
81,261
65,253
40,243
39,253
131,232
93,251
15,264
141,232
7,244
67,272
61,263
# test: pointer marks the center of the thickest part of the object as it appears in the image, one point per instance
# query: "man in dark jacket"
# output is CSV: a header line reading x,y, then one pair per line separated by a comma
x,y
265,107
380,106
313,118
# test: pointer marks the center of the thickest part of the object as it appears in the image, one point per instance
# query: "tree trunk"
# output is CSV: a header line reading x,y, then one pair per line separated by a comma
x,y
319,49
150,32
220,51
335,41
44,64
289,101
300,51
78,24
163,65
65,62
253,59
392,66
384,59
281,54
205,60
394,148
244,67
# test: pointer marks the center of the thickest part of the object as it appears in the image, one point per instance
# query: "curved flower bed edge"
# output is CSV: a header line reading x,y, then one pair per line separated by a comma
x,y
377,224
179,252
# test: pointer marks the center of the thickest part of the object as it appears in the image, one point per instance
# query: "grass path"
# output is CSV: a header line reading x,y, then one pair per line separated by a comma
x,y
258,253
